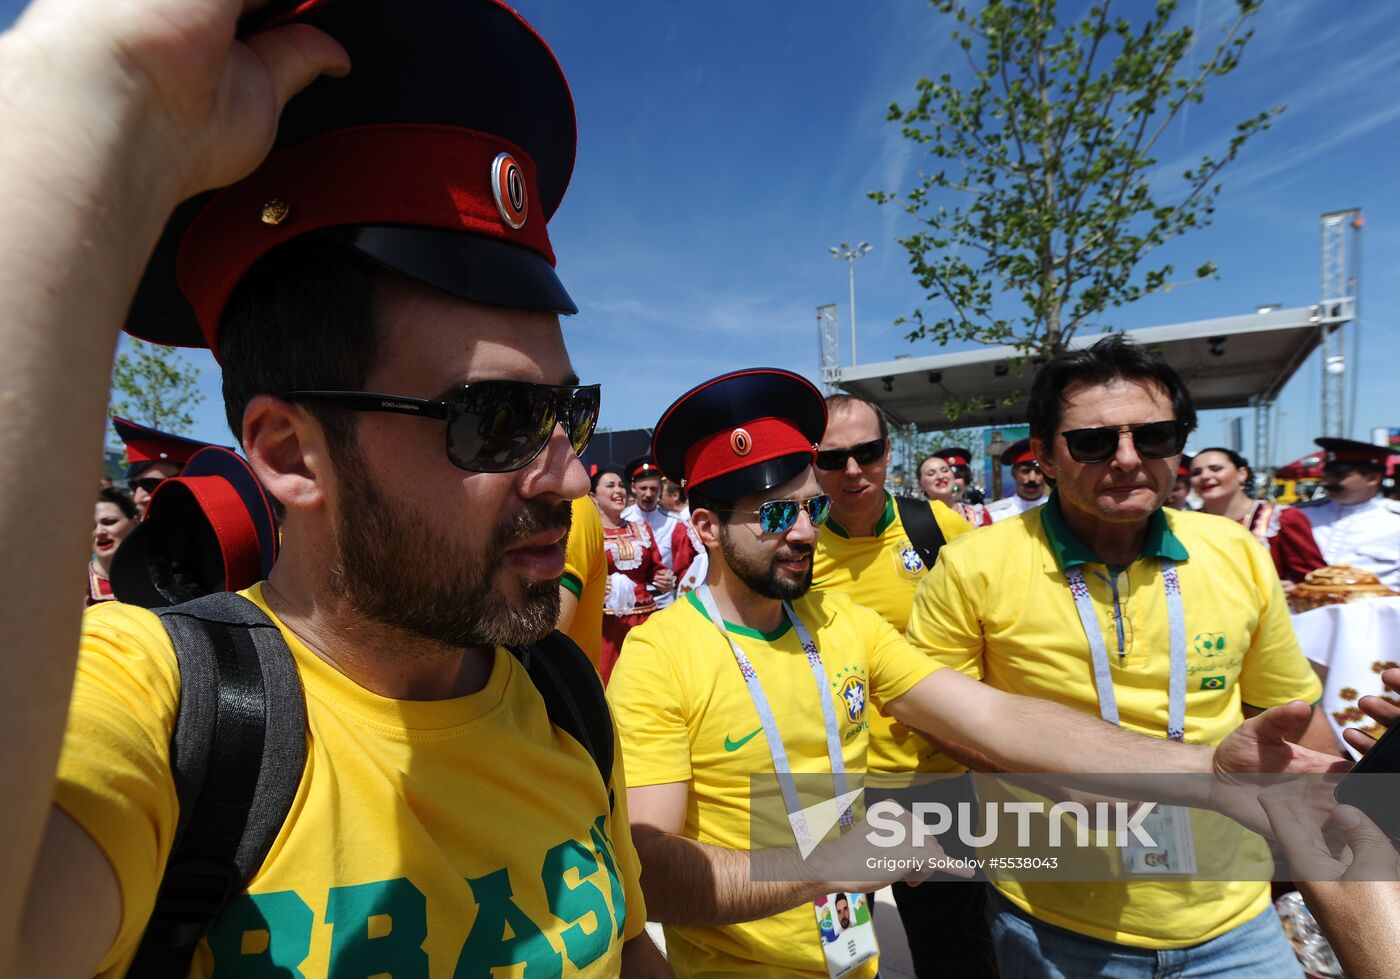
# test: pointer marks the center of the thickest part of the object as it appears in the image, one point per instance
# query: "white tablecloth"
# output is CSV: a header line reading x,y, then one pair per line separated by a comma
x,y
1353,644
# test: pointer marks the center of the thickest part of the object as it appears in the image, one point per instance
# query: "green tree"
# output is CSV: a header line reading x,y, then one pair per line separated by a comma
x,y
153,385
1040,192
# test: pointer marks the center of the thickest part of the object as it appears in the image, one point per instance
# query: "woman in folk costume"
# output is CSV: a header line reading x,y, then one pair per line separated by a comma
x,y
1222,479
635,568
938,482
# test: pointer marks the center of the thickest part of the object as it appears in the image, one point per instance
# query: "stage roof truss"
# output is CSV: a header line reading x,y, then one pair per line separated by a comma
x,y
1231,362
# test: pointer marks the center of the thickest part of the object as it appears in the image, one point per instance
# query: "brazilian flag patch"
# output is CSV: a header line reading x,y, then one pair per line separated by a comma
x,y
1212,683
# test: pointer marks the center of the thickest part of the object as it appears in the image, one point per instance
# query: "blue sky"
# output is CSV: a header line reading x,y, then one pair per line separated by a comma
x,y
725,145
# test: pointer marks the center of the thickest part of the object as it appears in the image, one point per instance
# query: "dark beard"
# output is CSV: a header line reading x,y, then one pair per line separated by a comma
x,y
762,578
395,569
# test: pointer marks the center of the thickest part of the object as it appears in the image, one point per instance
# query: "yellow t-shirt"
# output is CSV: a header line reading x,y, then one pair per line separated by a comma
x,y
685,715
998,606
586,575
429,838
881,573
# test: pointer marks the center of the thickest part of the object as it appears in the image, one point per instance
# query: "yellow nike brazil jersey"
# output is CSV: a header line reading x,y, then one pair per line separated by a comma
x,y
684,714
881,572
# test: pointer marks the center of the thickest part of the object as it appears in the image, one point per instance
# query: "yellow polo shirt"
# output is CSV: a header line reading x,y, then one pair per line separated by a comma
x,y
586,575
998,607
685,715
881,572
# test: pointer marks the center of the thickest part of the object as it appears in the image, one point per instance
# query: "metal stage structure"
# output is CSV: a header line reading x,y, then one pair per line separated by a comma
x,y
1232,362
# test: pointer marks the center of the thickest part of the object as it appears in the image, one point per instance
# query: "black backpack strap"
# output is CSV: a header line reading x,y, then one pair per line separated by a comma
x,y
924,532
573,697
237,756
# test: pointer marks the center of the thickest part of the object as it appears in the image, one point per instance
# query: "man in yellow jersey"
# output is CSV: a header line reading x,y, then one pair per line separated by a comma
x,y
381,295
866,553
755,673
1170,624
585,583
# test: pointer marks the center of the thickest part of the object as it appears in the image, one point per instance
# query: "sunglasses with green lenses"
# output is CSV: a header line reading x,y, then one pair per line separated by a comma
x,y
778,516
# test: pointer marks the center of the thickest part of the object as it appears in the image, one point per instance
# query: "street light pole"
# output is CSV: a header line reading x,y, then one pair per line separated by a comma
x,y
849,255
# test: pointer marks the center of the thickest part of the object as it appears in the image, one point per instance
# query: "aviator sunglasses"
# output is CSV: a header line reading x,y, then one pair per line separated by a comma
x,y
1154,440
832,460
492,426
778,516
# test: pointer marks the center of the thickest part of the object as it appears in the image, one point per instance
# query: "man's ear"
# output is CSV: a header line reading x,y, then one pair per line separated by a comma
x,y
1042,456
287,450
706,524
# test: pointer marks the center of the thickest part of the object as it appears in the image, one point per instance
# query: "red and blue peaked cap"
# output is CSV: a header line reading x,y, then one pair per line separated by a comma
x,y
209,529
741,433
441,156
1353,452
146,447
1018,453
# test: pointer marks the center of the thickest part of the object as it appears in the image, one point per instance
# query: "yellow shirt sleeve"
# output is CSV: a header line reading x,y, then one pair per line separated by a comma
x,y
943,622
586,575
1275,671
114,771
895,666
648,701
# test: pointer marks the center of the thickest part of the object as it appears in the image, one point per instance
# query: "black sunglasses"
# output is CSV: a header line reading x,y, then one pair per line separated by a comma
x,y
492,426
1154,440
864,454
778,516
147,483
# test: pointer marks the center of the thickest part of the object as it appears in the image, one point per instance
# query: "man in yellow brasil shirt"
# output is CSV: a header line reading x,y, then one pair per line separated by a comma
x,y
720,687
1190,635
865,552
441,824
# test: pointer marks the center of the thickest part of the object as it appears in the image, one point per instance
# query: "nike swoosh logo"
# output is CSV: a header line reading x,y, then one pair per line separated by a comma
x,y
736,745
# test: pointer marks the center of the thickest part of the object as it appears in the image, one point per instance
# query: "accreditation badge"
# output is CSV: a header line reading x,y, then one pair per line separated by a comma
x,y
1174,852
847,931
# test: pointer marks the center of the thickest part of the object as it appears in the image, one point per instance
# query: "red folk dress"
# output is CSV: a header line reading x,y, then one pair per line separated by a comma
x,y
633,561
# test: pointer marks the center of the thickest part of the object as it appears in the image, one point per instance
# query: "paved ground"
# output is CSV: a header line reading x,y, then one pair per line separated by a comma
x,y
894,951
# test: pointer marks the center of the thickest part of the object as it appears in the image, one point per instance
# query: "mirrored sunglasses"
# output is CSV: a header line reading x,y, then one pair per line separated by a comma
x,y
778,516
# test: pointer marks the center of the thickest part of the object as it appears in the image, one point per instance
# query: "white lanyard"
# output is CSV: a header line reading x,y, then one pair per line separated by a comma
x,y
770,725
1103,678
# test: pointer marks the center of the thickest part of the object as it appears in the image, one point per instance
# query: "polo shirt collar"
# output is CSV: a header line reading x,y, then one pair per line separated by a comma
x,y
881,525
1071,552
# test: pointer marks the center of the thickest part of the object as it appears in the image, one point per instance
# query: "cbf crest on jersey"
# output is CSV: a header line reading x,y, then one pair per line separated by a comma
x,y
907,560
850,689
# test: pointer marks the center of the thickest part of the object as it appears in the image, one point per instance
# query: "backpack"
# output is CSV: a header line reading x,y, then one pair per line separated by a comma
x,y
924,532
239,747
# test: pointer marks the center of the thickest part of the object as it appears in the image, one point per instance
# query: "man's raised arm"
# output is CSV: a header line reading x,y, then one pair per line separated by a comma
x,y
111,118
